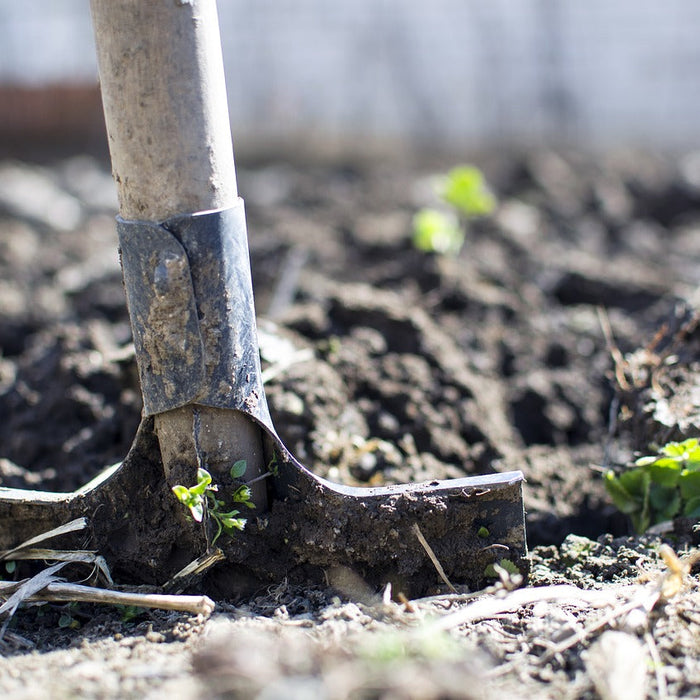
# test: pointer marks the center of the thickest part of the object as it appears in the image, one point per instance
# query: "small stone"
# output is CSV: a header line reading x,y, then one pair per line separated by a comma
x,y
617,664
155,637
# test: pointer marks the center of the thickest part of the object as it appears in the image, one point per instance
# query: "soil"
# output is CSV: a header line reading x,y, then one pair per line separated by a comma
x,y
562,340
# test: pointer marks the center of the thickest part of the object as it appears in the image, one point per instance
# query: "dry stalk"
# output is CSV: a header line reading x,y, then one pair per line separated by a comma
x,y
618,360
489,607
194,569
45,586
73,592
73,526
640,599
661,687
429,551
645,364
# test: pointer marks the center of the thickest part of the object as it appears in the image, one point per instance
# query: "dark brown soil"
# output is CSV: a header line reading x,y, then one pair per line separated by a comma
x,y
386,365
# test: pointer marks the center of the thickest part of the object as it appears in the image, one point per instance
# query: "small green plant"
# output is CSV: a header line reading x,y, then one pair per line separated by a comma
x,y
435,231
507,565
410,646
129,613
465,189
660,487
202,501
273,467
465,194
67,619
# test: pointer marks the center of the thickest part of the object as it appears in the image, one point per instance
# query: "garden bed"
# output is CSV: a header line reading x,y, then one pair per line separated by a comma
x,y
560,341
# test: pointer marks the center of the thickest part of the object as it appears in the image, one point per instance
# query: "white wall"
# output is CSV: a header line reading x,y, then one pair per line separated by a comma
x,y
46,41
451,72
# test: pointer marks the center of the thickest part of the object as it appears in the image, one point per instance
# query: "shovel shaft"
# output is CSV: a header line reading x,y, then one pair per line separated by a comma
x,y
164,98
166,111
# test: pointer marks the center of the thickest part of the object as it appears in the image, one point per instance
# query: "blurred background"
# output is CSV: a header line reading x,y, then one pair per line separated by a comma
x,y
380,75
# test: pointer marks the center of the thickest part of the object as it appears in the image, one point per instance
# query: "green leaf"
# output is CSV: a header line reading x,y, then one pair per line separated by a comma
x,y
641,521
437,232
689,483
203,482
130,612
182,493
636,482
465,189
686,452
625,501
674,449
233,523
66,621
668,463
665,502
243,495
230,514
197,510
238,469
483,532
506,564
692,508
630,493
665,472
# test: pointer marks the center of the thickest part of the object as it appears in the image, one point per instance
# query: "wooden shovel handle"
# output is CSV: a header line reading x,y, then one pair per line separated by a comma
x,y
165,105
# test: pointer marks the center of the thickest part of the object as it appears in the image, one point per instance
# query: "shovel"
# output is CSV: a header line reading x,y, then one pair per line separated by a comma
x,y
183,245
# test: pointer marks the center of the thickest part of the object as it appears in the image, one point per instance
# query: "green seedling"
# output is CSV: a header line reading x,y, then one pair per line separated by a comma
x,y
435,231
67,618
465,195
466,190
507,565
130,612
410,646
273,467
202,502
660,487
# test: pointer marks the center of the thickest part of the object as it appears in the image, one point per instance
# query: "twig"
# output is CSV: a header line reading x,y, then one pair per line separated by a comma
x,y
575,639
661,687
11,638
82,556
490,607
195,568
72,526
613,349
266,475
429,551
73,592
19,591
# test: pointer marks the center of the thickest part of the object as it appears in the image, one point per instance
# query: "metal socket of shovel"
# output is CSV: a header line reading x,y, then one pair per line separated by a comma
x,y
183,243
